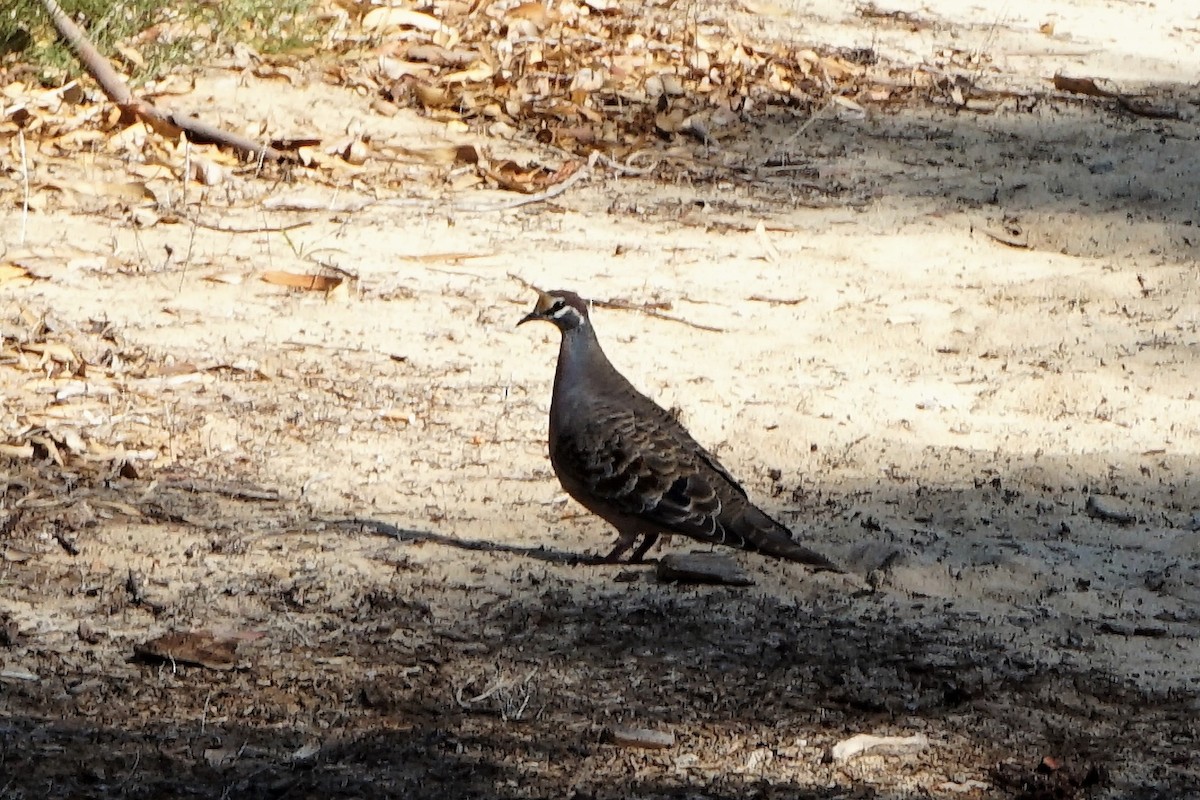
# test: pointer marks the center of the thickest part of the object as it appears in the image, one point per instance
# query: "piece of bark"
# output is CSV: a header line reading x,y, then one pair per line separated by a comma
x,y
883,745
708,568
625,736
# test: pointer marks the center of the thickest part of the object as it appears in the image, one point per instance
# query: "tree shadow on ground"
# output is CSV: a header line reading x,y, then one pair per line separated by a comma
x,y
387,694
1080,176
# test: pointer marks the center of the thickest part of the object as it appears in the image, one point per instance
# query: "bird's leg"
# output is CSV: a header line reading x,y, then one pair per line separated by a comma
x,y
643,548
624,541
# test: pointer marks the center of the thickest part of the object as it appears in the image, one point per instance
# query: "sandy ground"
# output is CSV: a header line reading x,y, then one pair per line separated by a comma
x,y
1000,443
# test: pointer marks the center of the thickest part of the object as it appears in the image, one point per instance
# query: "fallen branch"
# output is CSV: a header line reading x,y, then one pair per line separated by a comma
x,y
165,123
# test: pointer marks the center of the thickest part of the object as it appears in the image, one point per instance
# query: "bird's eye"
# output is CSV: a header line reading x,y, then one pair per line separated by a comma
x,y
558,306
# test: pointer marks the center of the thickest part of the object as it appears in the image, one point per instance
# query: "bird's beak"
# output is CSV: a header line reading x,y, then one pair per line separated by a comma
x,y
544,302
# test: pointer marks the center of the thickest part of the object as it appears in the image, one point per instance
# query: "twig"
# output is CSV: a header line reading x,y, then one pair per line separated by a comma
x,y
24,184
623,168
297,631
204,713
187,258
260,229
1089,87
619,305
1142,109
512,705
237,491
650,312
164,122
479,698
808,123
380,528
540,197
524,283
528,695
187,172
340,348
776,301
137,762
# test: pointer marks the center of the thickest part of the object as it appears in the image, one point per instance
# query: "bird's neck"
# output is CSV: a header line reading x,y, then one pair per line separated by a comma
x,y
580,358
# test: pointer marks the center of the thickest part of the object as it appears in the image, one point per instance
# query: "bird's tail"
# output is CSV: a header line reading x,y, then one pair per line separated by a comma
x,y
765,535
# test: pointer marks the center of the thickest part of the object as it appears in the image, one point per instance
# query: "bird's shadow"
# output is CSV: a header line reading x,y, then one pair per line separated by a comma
x,y
380,528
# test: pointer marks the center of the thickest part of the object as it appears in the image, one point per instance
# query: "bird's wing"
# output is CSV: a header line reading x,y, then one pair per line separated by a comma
x,y
640,466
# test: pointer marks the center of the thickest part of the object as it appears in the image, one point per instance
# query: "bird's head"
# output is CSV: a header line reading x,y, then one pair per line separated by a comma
x,y
566,310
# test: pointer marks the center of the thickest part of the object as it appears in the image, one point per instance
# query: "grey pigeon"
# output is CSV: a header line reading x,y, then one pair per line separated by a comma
x,y
627,460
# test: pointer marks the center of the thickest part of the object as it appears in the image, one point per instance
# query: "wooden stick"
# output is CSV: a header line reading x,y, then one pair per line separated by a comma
x,y
163,122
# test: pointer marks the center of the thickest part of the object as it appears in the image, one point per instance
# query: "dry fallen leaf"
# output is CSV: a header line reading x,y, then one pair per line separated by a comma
x,y
476,73
763,9
132,191
853,109
231,278
17,450
206,172
1085,86
190,647
606,7
534,12
432,96
313,283
438,56
386,18
628,736
446,156
52,351
12,272
670,122
443,258
398,415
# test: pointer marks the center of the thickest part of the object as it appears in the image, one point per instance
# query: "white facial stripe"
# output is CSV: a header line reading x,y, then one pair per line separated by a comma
x,y
562,312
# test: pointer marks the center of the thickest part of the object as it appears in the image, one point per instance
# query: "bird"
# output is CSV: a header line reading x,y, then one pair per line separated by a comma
x,y
630,462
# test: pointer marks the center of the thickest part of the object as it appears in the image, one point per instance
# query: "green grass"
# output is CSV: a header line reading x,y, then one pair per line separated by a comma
x,y
199,28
